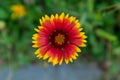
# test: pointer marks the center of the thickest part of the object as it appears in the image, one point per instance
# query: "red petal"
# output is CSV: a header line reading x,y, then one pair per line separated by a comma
x,y
68,25
60,55
58,23
76,41
48,25
68,51
44,49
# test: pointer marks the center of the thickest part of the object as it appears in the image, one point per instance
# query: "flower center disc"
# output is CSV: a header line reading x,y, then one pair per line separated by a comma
x,y
59,39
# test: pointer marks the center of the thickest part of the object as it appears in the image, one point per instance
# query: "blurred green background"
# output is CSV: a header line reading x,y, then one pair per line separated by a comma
x,y
99,18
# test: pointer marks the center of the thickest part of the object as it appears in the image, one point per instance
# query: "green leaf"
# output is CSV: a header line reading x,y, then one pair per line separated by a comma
x,y
114,68
117,51
94,43
3,14
108,36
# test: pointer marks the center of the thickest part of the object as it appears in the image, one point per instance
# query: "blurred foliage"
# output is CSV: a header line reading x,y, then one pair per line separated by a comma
x,y
99,18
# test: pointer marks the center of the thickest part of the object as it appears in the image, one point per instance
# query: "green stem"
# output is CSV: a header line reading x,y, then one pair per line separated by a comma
x,y
90,5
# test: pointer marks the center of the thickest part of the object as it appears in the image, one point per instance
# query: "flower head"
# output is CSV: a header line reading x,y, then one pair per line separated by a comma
x,y
18,11
58,38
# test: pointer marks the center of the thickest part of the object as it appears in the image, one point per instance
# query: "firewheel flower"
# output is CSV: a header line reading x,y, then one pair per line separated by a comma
x,y
18,10
58,38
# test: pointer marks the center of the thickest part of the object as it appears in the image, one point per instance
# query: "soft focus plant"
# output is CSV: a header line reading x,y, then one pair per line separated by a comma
x,y
100,20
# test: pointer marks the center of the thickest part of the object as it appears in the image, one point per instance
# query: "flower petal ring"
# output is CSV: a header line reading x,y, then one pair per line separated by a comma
x,y
58,38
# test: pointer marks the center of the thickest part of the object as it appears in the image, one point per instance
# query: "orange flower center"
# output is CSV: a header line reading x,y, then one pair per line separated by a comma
x,y
59,39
